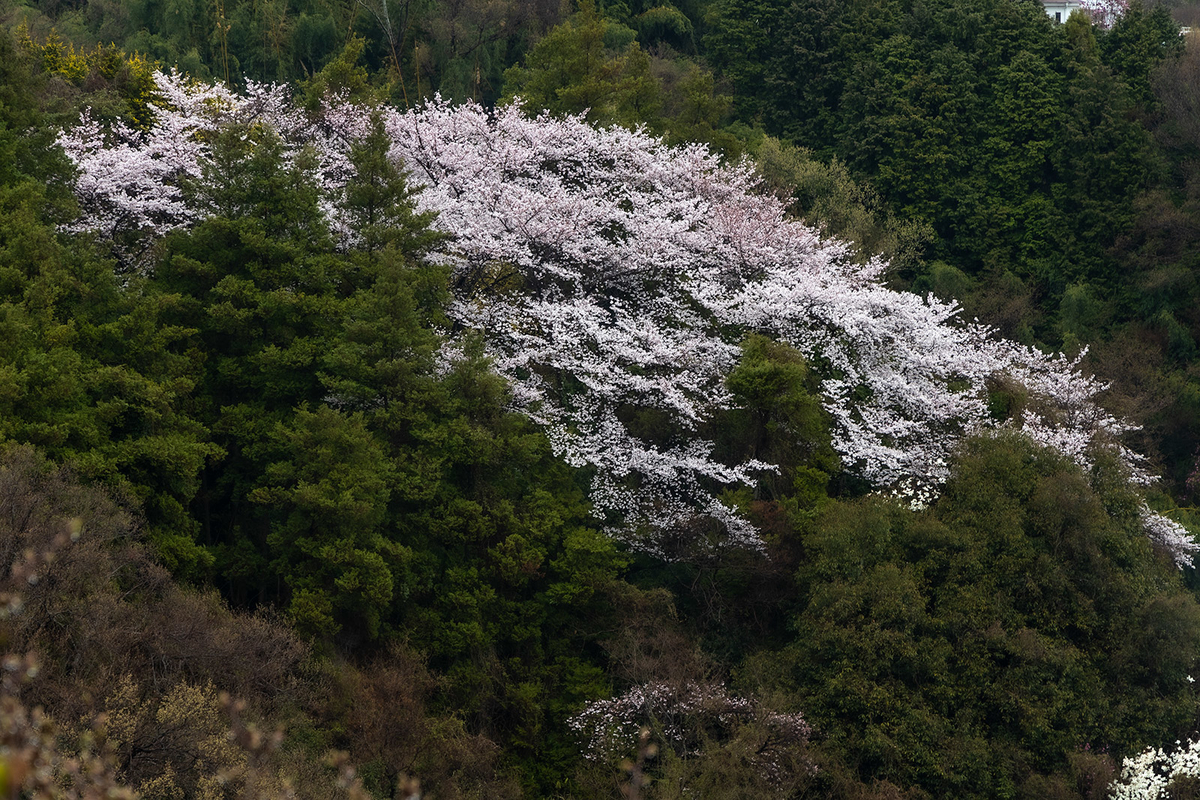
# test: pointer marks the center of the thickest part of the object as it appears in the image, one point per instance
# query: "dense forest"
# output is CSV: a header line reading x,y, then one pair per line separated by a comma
x,y
498,399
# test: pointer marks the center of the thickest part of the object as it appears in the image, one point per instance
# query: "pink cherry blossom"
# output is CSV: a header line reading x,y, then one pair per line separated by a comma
x,y
1105,13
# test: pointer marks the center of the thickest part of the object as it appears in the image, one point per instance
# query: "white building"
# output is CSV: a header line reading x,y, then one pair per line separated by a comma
x,y
1060,10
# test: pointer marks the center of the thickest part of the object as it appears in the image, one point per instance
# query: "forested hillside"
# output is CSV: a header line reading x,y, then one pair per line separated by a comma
x,y
473,398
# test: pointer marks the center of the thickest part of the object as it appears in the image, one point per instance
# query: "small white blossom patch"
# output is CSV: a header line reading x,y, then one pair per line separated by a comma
x,y
613,277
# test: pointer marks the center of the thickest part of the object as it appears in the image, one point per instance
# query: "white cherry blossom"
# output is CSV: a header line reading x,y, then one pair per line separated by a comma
x,y
1147,775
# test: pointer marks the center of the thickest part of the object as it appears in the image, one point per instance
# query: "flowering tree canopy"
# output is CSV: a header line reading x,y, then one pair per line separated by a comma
x,y
611,274
1105,13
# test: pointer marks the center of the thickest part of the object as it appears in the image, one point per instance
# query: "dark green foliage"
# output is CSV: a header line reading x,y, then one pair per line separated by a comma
x,y
504,566
1142,38
261,289
372,483
466,47
587,65
249,180
779,420
95,379
825,195
34,175
972,648
379,208
595,65
330,488
342,75
90,372
1004,133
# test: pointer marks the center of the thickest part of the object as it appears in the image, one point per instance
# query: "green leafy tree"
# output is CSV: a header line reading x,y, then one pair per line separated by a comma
x,y
972,649
1141,39
261,288
779,420
1006,135
330,490
827,196
92,372
499,572
587,64
379,208
1105,161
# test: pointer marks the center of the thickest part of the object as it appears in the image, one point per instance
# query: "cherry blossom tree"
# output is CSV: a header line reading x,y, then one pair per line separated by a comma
x,y
1105,13
611,274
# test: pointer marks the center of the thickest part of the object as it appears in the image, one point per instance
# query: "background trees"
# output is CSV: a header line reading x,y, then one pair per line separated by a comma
x,y
992,631
973,118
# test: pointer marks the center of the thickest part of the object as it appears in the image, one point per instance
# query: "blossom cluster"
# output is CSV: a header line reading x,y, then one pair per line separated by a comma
x,y
614,277
1105,13
684,718
1146,776
130,182
1170,535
